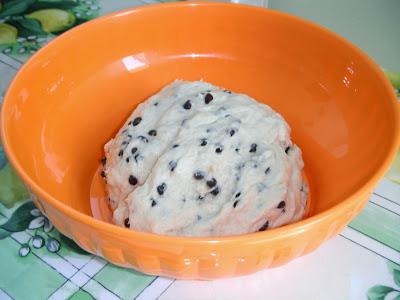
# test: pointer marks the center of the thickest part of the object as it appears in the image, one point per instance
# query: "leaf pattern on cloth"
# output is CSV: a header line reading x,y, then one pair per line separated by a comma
x,y
20,219
27,25
3,159
28,217
12,190
379,292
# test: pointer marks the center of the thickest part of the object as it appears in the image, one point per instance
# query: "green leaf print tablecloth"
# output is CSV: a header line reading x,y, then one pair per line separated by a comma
x,y
37,262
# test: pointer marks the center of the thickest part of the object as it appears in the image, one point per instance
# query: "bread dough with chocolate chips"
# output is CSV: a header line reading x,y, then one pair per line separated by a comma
x,y
198,160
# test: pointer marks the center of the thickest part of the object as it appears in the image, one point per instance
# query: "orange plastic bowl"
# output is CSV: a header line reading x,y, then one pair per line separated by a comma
x,y
74,94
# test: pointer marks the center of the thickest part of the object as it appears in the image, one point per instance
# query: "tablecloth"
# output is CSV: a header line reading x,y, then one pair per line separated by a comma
x,y
37,262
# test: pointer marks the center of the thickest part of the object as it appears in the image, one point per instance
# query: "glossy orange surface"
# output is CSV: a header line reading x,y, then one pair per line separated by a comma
x,y
74,94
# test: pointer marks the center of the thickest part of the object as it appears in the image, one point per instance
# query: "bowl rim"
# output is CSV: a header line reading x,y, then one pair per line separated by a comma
x,y
257,237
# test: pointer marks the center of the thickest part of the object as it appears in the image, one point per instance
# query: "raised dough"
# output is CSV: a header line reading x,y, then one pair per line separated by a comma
x,y
197,160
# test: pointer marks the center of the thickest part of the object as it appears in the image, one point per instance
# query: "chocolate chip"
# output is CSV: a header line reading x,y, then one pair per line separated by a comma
x,y
219,149
127,159
136,157
161,188
211,183
175,146
203,142
187,105
282,204
198,175
129,136
237,150
172,165
130,122
103,174
200,197
215,191
143,138
287,149
264,227
152,132
136,121
153,202
198,218
208,98
253,148
238,195
103,161
134,149
232,132
126,223
121,152
124,143
155,104
132,180
267,170
235,203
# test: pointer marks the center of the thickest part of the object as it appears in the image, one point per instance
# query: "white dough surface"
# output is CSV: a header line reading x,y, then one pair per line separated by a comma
x,y
198,160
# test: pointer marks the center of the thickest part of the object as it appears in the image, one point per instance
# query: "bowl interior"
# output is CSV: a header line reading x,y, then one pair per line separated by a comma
x,y
76,92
